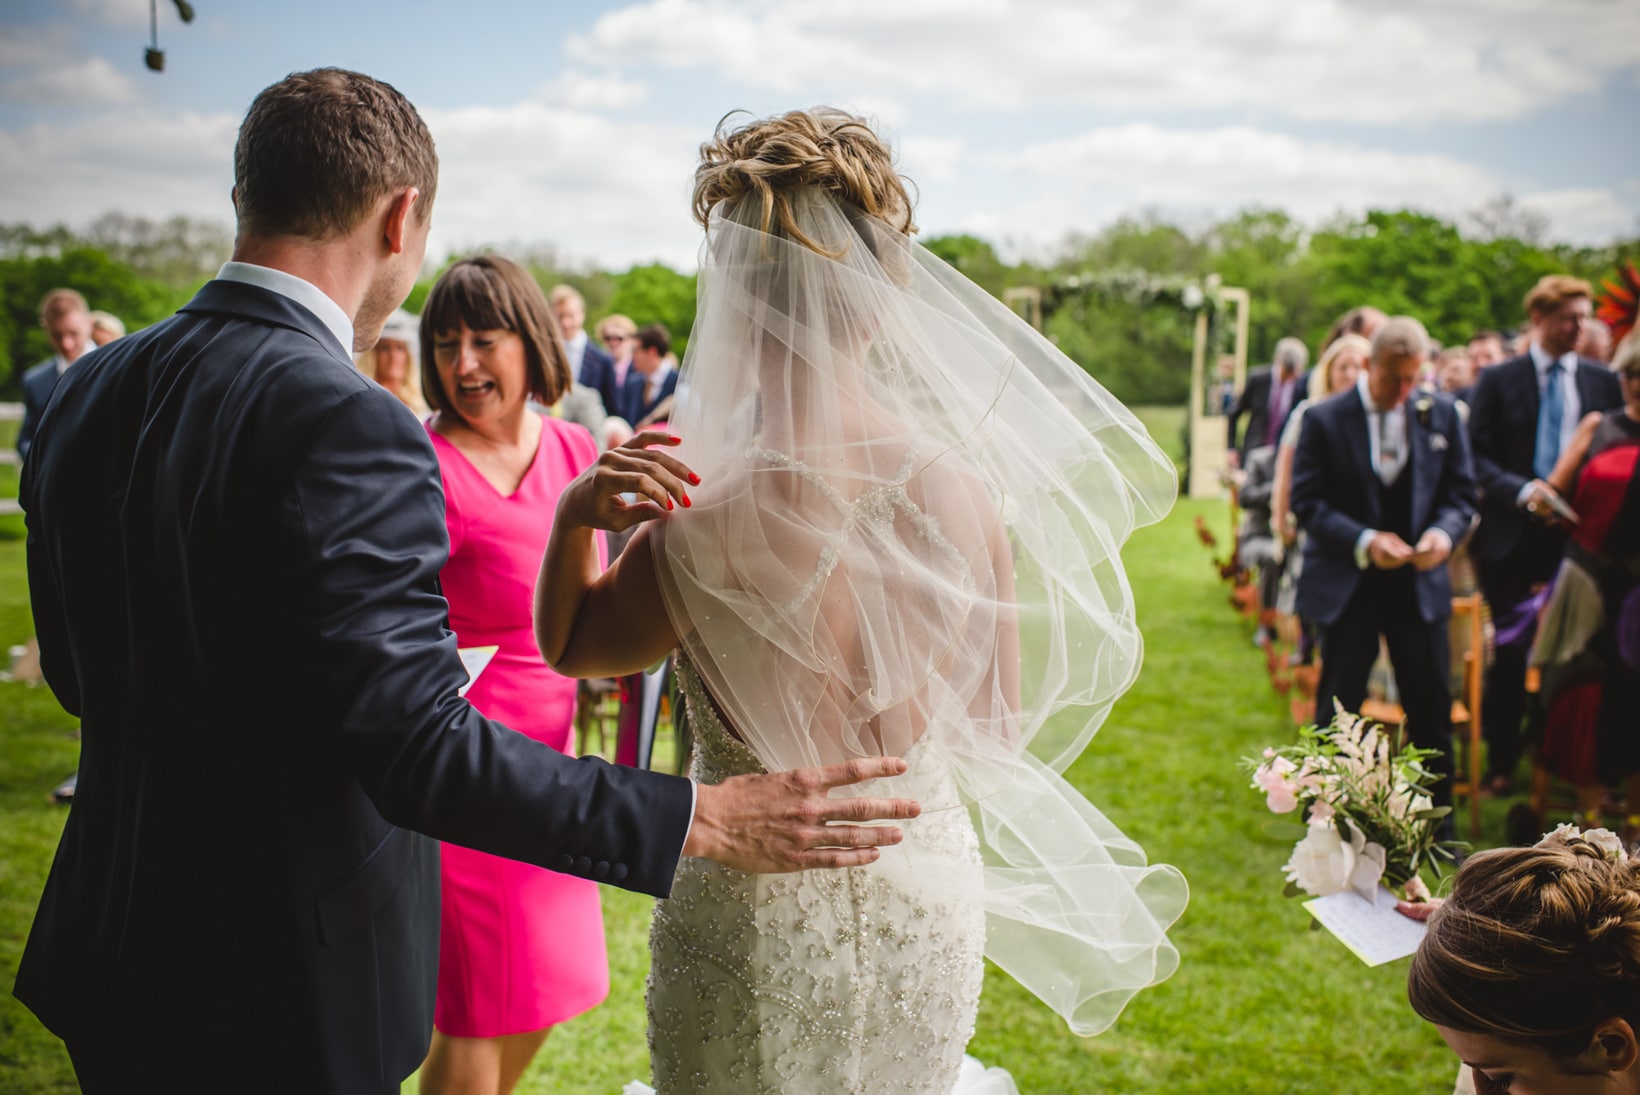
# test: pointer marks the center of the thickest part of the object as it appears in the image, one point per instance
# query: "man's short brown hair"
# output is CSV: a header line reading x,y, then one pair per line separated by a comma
x,y
490,293
319,149
60,302
655,337
1553,290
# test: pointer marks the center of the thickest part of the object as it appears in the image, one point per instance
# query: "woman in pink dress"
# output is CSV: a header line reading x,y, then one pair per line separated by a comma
x,y
521,948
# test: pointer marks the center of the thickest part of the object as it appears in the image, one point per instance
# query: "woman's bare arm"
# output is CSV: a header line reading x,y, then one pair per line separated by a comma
x,y
593,623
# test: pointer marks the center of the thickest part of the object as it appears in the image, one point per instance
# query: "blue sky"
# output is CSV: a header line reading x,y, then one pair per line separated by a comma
x,y
576,125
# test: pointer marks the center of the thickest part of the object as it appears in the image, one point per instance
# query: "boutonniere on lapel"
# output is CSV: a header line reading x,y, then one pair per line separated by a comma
x,y
1421,407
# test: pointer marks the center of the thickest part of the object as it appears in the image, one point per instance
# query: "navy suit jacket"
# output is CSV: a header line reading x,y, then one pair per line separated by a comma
x,y
1335,495
37,385
634,407
234,546
1503,422
597,371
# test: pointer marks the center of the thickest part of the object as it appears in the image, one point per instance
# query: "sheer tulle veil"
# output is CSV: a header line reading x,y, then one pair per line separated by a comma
x,y
907,537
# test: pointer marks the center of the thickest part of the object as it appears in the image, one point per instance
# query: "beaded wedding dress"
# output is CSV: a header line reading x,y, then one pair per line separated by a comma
x,y
905,543
860,980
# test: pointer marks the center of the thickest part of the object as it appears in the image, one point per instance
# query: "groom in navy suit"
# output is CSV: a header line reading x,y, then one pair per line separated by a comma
x,y
1385,489
234,546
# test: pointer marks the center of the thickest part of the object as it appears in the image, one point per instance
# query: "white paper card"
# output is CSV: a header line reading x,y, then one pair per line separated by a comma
x,y
1372,930
474,659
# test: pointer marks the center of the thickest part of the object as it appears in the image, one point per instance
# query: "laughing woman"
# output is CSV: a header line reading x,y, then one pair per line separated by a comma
x,y
521,948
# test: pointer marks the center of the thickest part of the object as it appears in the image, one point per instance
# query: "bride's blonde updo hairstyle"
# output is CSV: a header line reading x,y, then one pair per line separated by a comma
x,y
1535,945
771,159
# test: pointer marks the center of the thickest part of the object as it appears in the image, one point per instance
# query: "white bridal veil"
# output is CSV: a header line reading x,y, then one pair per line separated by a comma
x,y
907,533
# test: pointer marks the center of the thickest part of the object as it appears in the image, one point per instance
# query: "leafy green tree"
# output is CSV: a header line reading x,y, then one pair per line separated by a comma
x,y
976,259
655,293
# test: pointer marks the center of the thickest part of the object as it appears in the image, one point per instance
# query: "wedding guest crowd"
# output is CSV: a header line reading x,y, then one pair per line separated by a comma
x,y
1524,413
1498,459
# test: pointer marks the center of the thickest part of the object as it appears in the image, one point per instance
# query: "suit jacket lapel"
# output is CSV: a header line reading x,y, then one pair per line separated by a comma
x,y
1420,463
1359,445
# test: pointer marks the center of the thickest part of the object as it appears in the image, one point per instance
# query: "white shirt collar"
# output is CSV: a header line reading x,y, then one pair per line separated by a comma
x,y
1541,359
576,348
295,289
1366,397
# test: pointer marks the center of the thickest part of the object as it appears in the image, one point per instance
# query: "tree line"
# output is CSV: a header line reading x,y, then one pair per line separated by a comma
x,y
1118,301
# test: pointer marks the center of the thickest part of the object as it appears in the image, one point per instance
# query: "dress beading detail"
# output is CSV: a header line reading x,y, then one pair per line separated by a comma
x,y
846,981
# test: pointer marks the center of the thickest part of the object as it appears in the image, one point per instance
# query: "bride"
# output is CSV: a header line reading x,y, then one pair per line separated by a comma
x,y
891,528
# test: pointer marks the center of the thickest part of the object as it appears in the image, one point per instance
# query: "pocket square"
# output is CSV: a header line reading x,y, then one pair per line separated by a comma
x,y
1437,442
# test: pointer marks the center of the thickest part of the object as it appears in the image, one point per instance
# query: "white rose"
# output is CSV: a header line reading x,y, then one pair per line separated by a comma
x,y
1325,863
1322,862
1606,840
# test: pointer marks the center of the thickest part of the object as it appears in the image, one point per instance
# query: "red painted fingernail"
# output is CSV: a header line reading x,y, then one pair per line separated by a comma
x,y
675,439
669,503
685,499
694,480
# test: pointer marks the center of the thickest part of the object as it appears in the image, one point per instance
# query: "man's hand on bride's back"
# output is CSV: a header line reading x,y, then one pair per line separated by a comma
x,y
629,484
784,821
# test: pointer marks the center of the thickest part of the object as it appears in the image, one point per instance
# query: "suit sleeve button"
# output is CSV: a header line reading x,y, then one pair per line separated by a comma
x,y
600,870
583,865
617,872
566,861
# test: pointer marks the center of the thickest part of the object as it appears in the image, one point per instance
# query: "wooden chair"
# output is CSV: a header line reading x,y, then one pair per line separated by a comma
x,y
1466,711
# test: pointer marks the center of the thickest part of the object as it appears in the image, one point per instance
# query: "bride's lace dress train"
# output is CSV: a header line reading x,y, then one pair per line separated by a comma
x,y
859,980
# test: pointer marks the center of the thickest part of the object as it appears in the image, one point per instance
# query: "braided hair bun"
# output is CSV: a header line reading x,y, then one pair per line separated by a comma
x,y
1539,944
768,159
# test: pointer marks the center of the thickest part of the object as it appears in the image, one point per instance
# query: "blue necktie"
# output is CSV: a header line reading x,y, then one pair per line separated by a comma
x,y
1550,412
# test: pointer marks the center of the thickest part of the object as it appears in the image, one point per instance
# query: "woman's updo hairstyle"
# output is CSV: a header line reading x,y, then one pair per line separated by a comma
x,y
772,158
1535,944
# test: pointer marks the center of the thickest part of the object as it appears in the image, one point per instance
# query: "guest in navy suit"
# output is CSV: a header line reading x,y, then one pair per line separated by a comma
x,y
1271,392
592,364
1384,491
1523,412
67,323
234,544
646,397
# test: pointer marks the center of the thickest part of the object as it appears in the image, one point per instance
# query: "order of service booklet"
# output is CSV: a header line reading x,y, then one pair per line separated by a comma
x,y
1372,929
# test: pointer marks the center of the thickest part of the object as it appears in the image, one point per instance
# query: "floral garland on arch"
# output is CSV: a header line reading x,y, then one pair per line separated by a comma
x,y
1364,797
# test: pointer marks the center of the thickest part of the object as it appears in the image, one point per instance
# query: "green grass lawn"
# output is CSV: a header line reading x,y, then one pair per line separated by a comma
x,y
1259,1004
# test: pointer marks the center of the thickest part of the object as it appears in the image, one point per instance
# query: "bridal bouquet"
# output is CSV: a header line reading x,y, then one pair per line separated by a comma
x,y
1366,805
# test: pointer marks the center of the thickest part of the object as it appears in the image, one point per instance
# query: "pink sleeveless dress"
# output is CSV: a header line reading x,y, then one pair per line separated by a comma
x,y
520,948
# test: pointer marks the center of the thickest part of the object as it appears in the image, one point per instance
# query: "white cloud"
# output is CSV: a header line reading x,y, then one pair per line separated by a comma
x,y
1464,60
146,163
613,191
930,159
1586,215
1085,180
582,90
91,80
